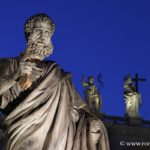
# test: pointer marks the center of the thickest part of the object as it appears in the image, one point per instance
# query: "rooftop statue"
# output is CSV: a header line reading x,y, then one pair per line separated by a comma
x,y
132,98
92,95
43,109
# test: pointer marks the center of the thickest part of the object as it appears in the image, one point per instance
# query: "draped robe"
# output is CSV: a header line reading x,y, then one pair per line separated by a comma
x,y
50,115
133,101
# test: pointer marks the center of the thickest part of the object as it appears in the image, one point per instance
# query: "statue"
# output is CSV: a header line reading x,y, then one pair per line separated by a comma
x,y
132,98
43,109
92,95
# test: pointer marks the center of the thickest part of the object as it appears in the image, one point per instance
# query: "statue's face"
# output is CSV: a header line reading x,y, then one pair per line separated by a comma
x,y
39,42
41,34
91,80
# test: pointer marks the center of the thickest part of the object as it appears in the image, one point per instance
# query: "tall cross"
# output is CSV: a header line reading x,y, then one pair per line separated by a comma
x,y
137,79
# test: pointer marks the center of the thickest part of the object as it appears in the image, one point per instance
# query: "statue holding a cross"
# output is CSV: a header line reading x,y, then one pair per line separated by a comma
x,y
132,96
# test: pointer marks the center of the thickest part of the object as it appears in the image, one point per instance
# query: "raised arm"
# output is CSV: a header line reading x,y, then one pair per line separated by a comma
x,y
84,83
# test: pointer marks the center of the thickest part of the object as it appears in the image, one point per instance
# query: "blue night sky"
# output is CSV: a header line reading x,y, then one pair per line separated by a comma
x,y
92,36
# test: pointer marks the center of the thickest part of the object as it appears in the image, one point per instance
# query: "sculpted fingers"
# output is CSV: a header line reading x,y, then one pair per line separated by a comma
x,y
27,63
30,68
26,67
25,82
95,131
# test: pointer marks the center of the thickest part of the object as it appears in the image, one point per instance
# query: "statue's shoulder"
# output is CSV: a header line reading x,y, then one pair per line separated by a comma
x,y
52,64
8,60
4,62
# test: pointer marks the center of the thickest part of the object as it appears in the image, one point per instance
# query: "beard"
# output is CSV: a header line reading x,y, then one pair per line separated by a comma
x,y
37,51
34,51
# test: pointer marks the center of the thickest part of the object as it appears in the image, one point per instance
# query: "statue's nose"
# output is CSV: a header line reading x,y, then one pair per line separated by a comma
x,y
42,34
42,37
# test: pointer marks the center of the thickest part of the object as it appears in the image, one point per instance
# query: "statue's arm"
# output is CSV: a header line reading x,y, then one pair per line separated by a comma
x,y
7,74
83,82
6,83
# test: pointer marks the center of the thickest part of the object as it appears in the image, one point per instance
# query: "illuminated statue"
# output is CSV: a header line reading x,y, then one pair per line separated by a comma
x,y
92,95
43,109
132,98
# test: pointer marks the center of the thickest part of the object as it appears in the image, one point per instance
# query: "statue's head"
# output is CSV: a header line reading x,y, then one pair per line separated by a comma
x,y
38,32
90,79
36,21
128,83
128,79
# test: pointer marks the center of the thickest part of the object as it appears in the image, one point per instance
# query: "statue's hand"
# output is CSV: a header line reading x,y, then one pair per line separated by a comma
x,y
30,68
26,67
29,72
95,131
25,82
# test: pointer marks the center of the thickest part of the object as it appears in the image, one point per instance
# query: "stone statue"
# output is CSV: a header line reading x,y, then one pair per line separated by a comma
x,y
92,95
132,98
43,109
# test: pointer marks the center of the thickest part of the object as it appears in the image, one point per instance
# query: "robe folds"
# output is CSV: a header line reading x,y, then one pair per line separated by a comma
x,y
50,115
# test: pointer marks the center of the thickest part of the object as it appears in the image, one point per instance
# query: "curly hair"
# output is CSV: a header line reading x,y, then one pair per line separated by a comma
x,y
30,23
